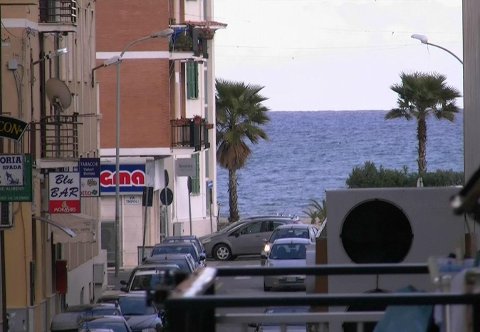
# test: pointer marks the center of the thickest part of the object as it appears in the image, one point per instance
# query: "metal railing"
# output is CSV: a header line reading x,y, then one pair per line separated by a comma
x,y
58,11
191,305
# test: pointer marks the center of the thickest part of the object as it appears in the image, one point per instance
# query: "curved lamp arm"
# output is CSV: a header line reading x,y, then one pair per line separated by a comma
x,y
424,40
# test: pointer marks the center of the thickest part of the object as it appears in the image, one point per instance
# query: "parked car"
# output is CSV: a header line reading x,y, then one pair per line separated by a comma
x,y
184,261
244,237
186,238
305,231
145,277
70,319
290,252
104,323
139,315
179,248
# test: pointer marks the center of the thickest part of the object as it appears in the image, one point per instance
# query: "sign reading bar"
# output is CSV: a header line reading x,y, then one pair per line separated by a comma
x,y
11,127
64,192
22,191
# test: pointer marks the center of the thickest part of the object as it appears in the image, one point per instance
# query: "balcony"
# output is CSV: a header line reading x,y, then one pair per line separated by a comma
x,y
190,133
59,136
58,15
192,37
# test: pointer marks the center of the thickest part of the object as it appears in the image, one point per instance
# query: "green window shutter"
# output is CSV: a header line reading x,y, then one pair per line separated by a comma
x,y
192,80
196,178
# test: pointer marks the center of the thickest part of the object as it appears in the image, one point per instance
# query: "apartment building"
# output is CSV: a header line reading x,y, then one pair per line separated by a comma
x,y
158,117
50,252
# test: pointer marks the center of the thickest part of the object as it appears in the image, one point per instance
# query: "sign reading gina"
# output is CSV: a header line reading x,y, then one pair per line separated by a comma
x,y
132,179
11,127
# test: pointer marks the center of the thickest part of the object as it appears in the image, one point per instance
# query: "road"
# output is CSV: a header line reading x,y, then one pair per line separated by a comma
x,y
242,285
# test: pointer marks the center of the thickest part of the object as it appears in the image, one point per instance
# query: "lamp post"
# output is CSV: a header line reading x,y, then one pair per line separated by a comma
x,y
424,40
160,34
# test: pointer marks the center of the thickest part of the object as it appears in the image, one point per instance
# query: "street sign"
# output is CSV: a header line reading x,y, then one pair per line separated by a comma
x,y
166,196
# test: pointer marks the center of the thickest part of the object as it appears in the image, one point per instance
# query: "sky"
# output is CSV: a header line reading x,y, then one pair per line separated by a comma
x,y
316,55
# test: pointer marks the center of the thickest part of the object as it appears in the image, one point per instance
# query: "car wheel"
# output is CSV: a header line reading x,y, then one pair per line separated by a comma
x,y
222,252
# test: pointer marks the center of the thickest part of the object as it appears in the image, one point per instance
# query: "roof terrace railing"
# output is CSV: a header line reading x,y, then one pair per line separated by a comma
x,y
191,305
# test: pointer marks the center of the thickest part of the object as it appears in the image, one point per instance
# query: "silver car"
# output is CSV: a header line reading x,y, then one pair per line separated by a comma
x,y
289,252
244,237
305,231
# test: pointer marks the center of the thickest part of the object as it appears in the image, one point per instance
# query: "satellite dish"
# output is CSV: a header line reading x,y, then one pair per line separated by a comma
x,y
58,93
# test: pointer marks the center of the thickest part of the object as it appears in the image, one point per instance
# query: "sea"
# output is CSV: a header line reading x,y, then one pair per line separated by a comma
x,y
309,152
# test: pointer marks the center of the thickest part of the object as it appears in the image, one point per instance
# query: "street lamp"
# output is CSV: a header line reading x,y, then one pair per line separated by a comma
x,y
424,40
160,34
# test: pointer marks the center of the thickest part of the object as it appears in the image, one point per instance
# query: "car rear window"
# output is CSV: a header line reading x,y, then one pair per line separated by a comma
x,y
289,251
289,232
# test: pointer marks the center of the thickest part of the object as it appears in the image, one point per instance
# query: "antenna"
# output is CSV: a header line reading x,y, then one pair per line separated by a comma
x,y
58,93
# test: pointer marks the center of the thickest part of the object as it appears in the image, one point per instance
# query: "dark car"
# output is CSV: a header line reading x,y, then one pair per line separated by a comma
x,y
70,319
185,261
145,277
104,323
139,315
244,237
179,248
186,238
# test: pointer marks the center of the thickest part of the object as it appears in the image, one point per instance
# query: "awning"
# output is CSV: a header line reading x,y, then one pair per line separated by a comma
x,y
70,227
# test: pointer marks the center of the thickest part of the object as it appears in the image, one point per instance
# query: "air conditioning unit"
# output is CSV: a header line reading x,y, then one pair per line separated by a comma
x,y
389,225
6,215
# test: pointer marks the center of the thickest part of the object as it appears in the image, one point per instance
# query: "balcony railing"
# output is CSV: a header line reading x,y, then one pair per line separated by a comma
x,y
190,133
59,136
191,304
190,39
58,11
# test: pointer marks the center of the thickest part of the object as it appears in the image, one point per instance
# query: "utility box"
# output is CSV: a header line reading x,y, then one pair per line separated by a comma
x,y
177,228
98,274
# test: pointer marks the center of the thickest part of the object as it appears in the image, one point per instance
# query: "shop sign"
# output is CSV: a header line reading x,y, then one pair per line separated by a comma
x,y
11,127
132,179
64,192
89,169
16,178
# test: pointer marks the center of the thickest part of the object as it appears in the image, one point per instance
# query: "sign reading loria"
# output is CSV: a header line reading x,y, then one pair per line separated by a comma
x,y
11,170
64,192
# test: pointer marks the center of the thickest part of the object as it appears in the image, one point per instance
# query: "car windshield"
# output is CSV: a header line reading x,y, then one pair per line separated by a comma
x,y
117,326
289,251
135,305
289,232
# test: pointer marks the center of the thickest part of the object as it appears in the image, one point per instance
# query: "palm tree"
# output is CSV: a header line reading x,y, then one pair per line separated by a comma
x,y
317,211
240,114
420,95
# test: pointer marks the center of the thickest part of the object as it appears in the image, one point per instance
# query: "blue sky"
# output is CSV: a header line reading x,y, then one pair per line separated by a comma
x,y
335,54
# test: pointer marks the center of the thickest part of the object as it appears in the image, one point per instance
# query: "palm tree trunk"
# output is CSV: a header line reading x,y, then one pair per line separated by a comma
x,y
233,196
422,145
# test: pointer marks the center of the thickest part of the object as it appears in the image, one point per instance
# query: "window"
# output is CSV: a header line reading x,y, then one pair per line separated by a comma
x,y
196,177
192,80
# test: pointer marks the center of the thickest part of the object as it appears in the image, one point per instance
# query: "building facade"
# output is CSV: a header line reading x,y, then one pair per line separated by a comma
x,y
161,95
51,255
